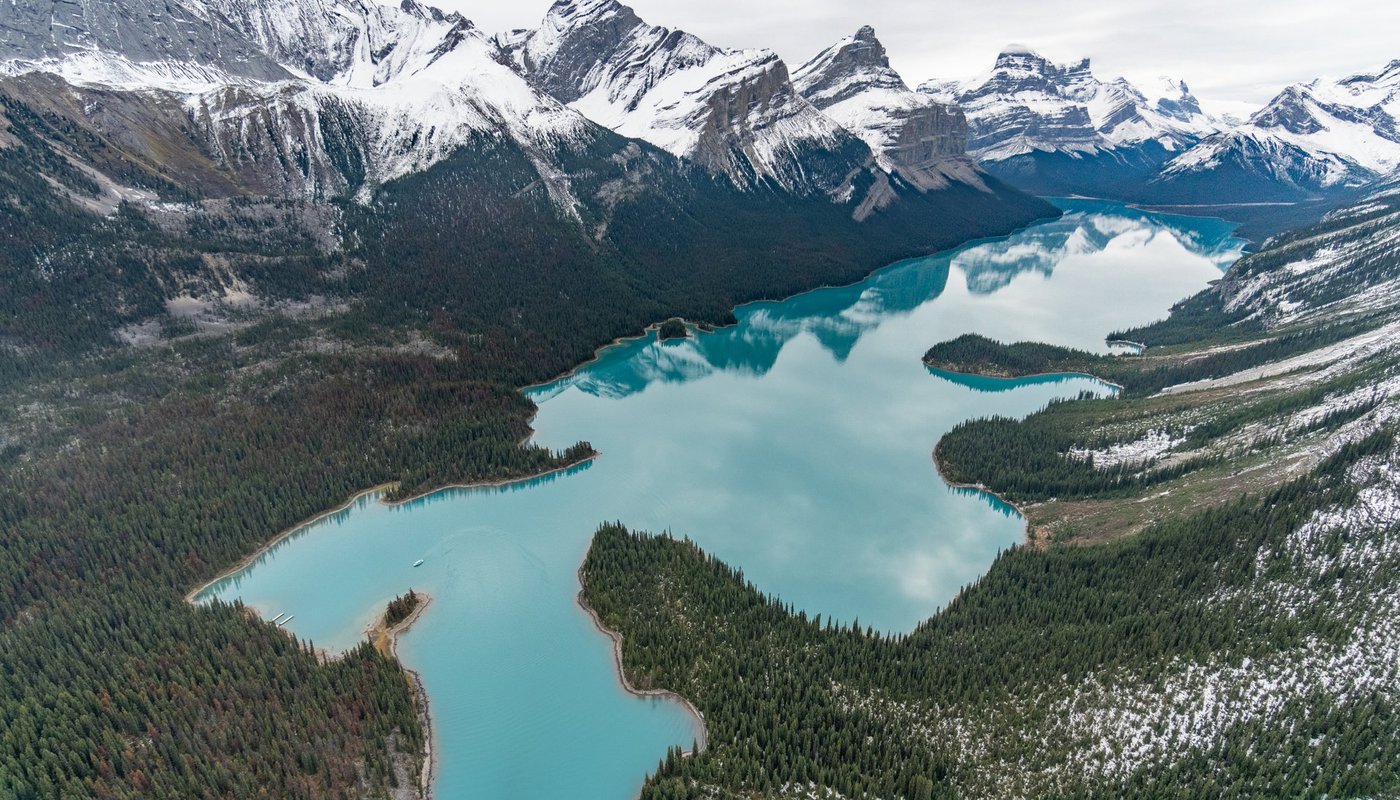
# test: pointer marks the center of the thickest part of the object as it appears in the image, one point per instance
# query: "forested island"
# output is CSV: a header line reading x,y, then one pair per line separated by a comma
x,y
401,608
673,328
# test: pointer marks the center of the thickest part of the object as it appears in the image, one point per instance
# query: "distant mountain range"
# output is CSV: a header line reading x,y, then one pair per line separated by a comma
x,y
595,128
1315,138
334,98
1059,129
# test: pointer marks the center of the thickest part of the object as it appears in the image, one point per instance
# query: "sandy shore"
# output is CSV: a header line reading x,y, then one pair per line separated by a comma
x,y
702,739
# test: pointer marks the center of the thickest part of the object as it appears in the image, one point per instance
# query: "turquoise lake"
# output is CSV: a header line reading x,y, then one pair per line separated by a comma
x,y
795,445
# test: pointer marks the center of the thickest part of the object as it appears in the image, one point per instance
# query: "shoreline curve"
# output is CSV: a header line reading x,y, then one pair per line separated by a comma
x,y
702,739
249,560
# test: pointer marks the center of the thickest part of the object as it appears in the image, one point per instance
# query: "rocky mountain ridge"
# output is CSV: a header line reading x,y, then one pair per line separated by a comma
x,y
1028,103
401,115
323,98
920,138
1055,128
1312,138
327,98
735,112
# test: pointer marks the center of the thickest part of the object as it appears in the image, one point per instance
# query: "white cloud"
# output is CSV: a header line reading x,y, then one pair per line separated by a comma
x,y
1227,51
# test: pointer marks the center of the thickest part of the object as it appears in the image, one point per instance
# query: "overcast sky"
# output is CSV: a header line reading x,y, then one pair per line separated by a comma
x,y
1225,49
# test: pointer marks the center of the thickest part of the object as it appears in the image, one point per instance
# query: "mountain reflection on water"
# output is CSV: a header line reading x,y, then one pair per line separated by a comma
x,y
838,317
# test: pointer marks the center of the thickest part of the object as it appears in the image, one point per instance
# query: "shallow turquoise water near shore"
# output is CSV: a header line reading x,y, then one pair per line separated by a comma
x,y
795,445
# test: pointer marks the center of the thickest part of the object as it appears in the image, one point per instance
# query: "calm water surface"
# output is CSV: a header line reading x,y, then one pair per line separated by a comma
x,y
795,445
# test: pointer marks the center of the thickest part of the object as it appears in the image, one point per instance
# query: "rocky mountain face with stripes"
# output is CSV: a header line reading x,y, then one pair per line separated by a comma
x,y
733,111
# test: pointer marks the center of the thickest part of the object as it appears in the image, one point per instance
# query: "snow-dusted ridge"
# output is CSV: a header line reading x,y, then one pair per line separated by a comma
x,y
732,111
910,133
409,83
129,41
412,121
412,83
1317,135
1026,103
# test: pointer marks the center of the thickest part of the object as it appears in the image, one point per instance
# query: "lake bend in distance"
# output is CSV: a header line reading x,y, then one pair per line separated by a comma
x,y
795,445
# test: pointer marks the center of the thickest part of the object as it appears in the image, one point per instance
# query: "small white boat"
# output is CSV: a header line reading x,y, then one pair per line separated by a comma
x,y
418,563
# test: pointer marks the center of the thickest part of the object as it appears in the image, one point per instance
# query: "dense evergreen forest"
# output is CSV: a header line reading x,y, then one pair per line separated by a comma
x,y
673,328
1138,376
143,450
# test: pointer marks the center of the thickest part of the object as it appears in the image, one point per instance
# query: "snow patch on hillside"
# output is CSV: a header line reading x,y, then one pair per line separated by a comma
x,y
1143,451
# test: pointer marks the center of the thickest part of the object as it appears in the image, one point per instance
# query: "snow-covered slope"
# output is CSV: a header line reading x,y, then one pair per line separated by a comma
x,y
733,111
359,43
1347,266
402,125
911,133
335,97
1313,137
363,93
133,43
1027,104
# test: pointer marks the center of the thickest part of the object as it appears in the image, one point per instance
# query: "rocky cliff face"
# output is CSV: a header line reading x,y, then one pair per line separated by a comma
x,y
1058,129
347,42
852,82
383,91
733,111
329,98
134,41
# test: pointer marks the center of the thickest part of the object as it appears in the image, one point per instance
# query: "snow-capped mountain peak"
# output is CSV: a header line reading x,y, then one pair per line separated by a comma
x,y
1318,136
1027,103
1172,98
732,111
911,133
359,43
313,96
855,64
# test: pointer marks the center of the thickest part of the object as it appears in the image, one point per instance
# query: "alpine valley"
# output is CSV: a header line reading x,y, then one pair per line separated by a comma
x,y
258,257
